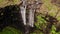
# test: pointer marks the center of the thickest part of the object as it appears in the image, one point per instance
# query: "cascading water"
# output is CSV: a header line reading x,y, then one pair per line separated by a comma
x,y
23,11
31,17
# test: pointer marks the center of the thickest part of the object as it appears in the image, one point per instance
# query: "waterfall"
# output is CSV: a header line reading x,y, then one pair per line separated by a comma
x,y
23,11
31,17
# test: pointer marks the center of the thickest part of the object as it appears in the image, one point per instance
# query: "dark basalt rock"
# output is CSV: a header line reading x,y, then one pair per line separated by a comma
x,y
11,16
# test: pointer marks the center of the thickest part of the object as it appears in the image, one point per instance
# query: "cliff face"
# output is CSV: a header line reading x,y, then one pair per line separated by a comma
x,y
44,6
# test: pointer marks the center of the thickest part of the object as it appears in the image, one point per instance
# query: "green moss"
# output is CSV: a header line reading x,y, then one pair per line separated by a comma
x,y
40,22
58,18
10,30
